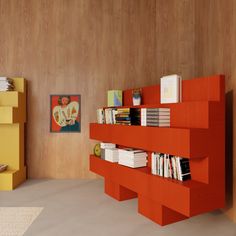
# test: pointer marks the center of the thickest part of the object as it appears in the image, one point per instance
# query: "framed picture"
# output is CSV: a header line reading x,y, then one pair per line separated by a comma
x,y
65,113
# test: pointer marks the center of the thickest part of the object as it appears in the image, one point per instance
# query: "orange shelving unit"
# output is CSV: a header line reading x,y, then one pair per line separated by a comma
x,y
197,132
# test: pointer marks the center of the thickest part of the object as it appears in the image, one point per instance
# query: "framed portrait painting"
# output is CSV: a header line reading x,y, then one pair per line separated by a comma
x,y
65,113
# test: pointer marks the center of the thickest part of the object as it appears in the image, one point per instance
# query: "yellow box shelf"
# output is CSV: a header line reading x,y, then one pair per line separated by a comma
x,y
12,122
10,179
10,115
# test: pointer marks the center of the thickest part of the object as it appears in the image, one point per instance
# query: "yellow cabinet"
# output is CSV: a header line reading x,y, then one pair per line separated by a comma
x,y
12,122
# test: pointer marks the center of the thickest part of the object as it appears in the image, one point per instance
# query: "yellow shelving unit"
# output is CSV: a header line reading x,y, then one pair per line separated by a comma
x,y
12,121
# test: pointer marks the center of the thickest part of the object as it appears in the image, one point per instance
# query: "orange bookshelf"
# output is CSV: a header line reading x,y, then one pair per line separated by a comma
x,y
196,132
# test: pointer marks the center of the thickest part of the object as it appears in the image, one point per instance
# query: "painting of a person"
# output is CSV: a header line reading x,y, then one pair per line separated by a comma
x,y
65,114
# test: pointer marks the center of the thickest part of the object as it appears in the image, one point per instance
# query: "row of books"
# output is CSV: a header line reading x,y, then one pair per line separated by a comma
x,y
124,116
155,117
6,84
170,166
135,116
128,157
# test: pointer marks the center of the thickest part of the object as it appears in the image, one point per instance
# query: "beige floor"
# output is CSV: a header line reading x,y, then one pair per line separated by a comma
x,y
79,207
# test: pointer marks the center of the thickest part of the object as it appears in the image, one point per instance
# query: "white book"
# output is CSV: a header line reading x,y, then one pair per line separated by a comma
x,y
166,173
154,164
178,168
124,158
5,90
173,160
134,161
171,89
106,116
100,116
161,165
132,155
111,155
157,156
131,152
143,116
107,145
5,83
170,170
133,164
110,116
114,112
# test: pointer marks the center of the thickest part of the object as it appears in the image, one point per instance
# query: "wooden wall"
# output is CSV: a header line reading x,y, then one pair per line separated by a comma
x,y
215,53
88,47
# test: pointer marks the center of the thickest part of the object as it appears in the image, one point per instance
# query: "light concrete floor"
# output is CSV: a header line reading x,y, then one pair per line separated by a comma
x,y
79,207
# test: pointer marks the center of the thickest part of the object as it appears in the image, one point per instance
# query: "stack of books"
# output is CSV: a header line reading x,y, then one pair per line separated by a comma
x,y
128,116
6,84
155,117
123,116
105,147
170,166
132,158
111,154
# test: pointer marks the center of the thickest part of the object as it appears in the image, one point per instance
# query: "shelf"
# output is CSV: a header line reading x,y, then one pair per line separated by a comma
x,y
166,105
195,114
189,143
12,126
197,89
10,179
176,195
11,115
11,98
197,131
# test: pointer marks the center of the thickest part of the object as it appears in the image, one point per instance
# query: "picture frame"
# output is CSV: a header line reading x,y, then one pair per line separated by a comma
x,y
65,113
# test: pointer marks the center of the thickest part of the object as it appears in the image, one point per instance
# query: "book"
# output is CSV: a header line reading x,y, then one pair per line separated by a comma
x,y
6,84
184,169
114,98
171,89
110,114
133,164
154,163
107,145
132,157
155,117
111,154
158,124
100,116
169,166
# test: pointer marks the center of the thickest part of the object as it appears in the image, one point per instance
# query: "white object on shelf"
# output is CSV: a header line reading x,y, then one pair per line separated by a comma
x,y
111,154
171,89
132,158
107,145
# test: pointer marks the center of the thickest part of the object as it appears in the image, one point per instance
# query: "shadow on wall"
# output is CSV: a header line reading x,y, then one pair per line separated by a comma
x,y
229,149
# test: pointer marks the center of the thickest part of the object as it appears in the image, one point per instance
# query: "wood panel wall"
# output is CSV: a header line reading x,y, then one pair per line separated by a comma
x,y
87,47
215,53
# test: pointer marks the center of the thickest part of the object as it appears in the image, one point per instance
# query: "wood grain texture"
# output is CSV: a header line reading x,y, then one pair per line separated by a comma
x,y
215,53
87,47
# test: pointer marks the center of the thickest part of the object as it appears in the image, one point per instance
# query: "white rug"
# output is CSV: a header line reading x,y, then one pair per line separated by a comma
x,y
14,221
